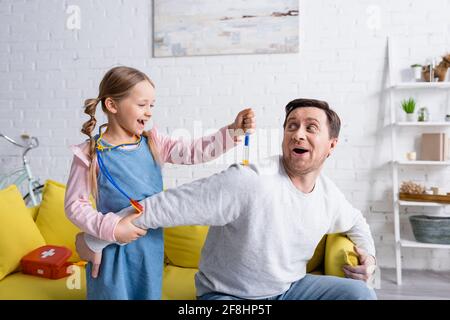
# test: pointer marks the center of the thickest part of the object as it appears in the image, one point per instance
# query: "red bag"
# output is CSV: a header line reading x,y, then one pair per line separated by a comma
x,y
48,262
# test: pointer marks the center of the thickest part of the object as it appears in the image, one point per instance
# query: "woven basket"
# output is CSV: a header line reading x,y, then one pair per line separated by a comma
x,y
431,229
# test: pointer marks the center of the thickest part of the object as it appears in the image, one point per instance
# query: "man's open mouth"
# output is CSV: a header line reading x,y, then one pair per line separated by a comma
x,y
300,150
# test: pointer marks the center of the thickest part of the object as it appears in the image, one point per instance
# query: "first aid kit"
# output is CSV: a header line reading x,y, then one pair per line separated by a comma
x,y
48,262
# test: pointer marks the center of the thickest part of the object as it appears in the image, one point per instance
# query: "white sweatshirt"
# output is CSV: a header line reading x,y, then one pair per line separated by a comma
x,y
263,230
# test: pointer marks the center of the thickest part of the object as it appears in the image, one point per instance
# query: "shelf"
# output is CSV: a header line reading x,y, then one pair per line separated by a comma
x,y
423,163
422,85
416,244
396,88
423,124
420,204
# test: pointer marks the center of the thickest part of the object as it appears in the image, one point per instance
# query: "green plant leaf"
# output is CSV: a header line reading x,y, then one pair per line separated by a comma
x,y
409,105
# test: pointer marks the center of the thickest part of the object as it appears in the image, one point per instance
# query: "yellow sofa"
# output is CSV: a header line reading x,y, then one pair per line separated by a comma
x,y
182,252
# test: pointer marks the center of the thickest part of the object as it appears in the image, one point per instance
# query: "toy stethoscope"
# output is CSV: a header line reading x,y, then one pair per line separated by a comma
x,y
99,149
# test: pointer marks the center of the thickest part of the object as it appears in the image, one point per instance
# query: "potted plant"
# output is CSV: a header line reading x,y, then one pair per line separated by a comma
x,y
417,70
409,106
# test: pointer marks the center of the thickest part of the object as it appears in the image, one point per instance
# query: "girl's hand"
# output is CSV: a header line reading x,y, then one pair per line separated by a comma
x,y
126,231
87,254
244,122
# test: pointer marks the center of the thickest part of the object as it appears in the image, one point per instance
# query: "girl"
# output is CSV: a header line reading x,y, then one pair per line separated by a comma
x,y
121,163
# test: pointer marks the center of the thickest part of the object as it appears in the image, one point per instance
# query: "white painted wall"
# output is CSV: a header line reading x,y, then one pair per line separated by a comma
x,y
46,72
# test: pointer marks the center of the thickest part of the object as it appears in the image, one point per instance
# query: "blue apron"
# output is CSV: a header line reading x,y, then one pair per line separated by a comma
x,y
133,271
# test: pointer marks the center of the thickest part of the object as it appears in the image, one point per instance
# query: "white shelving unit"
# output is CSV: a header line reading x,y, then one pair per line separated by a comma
x,y
420,204
422,163
422,124
415,244
421,85
394,87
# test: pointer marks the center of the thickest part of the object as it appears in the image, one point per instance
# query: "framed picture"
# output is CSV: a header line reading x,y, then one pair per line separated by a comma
x,y
217,27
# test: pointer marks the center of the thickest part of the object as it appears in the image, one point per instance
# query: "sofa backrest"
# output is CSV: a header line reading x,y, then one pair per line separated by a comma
x,y
183,245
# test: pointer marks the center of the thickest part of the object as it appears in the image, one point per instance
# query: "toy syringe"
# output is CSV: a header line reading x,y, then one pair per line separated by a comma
x,y
245,162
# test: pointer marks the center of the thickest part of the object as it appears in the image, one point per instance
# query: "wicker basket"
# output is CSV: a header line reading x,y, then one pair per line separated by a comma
x,y
431,229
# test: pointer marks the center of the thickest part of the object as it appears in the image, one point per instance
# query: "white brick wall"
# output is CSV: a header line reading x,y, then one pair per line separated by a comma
x,y
46,72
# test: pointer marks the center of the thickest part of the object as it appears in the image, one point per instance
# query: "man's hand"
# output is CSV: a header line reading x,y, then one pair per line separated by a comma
x,y
126,231
87,254
244,122
365,270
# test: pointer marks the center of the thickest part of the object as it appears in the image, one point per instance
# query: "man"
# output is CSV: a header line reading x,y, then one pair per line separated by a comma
x,y
266,221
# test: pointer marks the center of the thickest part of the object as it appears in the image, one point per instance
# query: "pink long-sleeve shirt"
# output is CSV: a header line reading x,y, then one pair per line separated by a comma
x,y
79,209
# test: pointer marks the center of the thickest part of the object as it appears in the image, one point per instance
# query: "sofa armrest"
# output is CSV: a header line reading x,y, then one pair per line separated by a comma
x,y
339,251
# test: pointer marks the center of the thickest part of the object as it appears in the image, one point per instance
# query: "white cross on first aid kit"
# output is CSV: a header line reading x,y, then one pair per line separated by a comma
x,y
48,253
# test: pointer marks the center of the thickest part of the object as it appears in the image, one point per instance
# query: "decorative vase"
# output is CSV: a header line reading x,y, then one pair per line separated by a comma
x,y
417,73
411,156
410,117
424,114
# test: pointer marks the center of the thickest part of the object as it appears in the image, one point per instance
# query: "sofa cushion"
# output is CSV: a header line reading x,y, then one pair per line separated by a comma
x,y
18,233
19,286
52,221
178,283
33,212
183,245
339,251
316,262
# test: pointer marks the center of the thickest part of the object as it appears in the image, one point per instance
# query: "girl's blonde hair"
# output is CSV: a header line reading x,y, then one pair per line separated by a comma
x,y
116,84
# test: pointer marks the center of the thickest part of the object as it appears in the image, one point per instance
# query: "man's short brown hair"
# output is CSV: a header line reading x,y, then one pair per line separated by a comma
x,y
334,123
